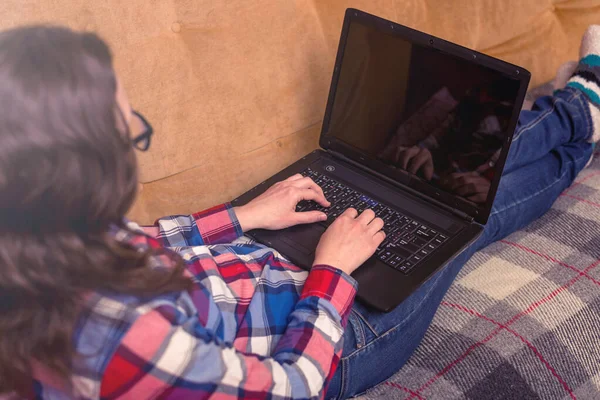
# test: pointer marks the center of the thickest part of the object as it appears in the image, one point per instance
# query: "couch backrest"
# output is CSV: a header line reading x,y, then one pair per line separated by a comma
x,y
236,89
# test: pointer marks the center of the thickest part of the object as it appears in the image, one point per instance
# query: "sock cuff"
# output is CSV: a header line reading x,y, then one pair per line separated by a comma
x,y
587,78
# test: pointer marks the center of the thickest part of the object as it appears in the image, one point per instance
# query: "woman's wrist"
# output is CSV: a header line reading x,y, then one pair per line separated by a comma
x,y
334,263
244,218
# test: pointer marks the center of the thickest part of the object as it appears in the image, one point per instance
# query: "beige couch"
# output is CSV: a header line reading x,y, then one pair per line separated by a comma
x,y
236,89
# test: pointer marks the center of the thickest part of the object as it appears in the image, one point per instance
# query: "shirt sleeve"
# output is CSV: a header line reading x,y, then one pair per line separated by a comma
x,y
159,357
216,225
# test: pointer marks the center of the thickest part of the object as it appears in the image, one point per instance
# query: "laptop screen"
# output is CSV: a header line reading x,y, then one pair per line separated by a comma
x,y
438,118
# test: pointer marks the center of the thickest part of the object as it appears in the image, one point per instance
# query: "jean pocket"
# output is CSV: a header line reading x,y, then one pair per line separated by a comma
x,y
357,339
361,332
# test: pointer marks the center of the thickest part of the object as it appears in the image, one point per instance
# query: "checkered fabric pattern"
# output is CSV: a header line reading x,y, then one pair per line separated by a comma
x,y
253,325
522,320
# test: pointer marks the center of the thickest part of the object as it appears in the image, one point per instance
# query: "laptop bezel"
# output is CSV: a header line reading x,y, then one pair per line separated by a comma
x,y
328,142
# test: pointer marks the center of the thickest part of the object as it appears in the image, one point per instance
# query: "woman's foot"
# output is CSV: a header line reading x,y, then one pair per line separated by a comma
x,y
587,76
563,74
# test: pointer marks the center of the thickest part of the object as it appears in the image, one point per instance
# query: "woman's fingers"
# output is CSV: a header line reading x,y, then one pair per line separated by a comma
x,y
294,177
308,217
379,237
307,183
350,213
366,217
376,225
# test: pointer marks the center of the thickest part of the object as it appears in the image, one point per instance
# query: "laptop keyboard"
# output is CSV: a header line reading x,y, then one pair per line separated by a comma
x,y
408,241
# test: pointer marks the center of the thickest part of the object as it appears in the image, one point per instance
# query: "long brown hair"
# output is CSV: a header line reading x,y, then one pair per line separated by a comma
x,y
67,174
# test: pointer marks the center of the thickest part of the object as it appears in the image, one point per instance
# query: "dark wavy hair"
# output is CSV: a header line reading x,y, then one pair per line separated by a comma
x,y
67,174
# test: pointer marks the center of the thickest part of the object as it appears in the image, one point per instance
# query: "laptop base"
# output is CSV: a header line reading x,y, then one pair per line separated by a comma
x,y
380,286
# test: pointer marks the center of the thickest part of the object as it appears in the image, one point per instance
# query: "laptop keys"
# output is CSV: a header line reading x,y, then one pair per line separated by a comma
x,y
407,246
361,206
419,242
408,242
424,235
399,251
394,261
302,206
385,255
336,211
406,267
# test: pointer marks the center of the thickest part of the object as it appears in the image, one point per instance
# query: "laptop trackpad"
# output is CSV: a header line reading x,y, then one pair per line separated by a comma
x,y
303,237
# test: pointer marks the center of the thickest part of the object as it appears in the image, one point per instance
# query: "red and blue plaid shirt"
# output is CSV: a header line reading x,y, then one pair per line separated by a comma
x,y
255,325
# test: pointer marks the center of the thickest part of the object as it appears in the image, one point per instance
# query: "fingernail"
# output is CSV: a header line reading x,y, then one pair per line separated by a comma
x,y
323,216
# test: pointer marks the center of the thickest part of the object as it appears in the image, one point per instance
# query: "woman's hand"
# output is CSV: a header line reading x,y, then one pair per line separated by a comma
x,y
350,240
276,208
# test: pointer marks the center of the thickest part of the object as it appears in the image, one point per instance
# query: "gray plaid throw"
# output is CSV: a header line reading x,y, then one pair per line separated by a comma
x,y
522,320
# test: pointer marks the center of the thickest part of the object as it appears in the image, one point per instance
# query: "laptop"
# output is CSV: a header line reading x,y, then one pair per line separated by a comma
x,y
418,130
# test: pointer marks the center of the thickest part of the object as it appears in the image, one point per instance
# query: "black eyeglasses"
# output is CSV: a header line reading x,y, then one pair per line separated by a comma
x,y
142,141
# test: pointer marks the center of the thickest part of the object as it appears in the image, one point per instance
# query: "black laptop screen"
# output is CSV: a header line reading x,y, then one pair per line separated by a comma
x,y
438,118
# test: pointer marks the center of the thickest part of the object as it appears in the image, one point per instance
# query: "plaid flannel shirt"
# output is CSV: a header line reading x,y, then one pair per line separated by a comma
x,y
255,326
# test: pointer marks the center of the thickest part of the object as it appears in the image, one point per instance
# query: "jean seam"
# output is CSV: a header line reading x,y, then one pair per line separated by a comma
x,y
343,380
584,103
538,192
358,329
540,118
363,319
395,327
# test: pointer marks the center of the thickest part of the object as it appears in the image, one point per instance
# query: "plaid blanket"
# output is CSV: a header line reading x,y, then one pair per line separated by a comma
x,y
522,320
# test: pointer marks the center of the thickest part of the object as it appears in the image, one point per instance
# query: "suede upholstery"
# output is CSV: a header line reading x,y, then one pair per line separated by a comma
x,y
236,89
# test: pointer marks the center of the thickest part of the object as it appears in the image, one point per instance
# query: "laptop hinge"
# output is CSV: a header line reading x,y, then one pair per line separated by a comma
x,y
460,214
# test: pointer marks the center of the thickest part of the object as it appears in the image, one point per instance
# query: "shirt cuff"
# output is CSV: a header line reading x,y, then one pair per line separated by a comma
x,y
218,224
333,285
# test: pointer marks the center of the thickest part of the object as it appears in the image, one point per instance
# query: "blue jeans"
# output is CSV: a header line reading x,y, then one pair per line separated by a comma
x,y
548,151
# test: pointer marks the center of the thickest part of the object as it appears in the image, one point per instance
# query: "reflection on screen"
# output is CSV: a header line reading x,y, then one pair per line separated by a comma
x,y
435,116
